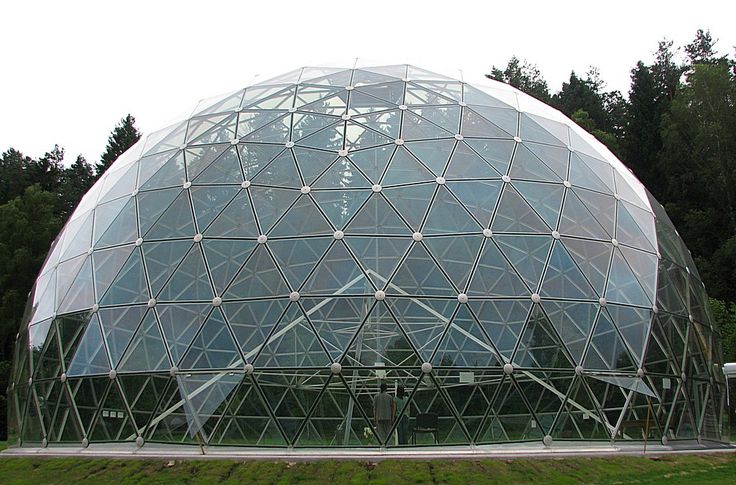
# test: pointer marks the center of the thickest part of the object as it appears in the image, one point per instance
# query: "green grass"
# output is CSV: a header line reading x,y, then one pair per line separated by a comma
x,y
671,469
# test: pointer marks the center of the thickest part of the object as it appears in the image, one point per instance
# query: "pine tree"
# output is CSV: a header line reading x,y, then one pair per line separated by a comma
x,y
524,76
123,136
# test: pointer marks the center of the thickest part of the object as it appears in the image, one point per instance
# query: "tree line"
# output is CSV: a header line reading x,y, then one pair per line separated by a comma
x,y
676,129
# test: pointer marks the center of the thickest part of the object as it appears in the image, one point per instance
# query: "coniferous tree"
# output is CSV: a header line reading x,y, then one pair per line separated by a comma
x,y
123,136
524,76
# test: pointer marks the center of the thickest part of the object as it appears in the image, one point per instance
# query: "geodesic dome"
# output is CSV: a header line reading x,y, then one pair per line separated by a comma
x,y
249,276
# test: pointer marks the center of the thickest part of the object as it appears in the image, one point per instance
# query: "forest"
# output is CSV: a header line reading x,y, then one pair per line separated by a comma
x,y
675,129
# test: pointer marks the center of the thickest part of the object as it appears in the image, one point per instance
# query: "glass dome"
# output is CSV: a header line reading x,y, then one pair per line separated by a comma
x,y
251,276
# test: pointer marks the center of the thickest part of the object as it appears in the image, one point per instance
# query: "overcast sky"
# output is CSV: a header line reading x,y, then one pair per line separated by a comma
x,y
71,69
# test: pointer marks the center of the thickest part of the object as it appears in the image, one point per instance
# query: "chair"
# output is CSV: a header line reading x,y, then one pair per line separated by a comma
x,y
424,423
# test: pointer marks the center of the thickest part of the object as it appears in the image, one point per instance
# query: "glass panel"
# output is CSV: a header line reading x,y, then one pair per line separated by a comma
x,y
528,255
213,347
253,157
592,258
448,216
573,323
577,220
297,257
281,171
236,220
107,263
496,152
340,205
312,162
252,322
539,345
81,294
416,128
162,170
373,161
293,343
336,320
606,350
424,321
209,201
130,284
563,277
494,276
162,258
180,323
337,274
475,125
147,351
377,217
623,286
466,164
404,168
546,199
342,174
259,277
465,345
224,259
386,122
412,202
119,326
204,396
456,255
199,158
302,219
434,154
603,208
90,356
515,215
420,275
190,281
177,221
270,203
478,197
393,92
303,125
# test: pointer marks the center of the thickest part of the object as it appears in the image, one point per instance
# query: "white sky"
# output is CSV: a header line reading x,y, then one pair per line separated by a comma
x,y
71,69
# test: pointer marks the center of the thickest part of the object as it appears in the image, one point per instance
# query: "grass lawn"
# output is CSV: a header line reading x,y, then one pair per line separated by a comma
x,y
671,469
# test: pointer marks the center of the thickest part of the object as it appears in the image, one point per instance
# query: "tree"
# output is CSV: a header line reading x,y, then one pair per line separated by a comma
x,y
13,174
76,181
524,76
123,136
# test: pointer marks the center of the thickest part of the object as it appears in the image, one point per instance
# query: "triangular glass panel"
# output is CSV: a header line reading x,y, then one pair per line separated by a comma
x,y
297,257
514,214
203,396
448,216
247,421
466,164
337,274
373,161
258,277
528,255
130,284
331,105
623,286
69,329
250,121
379,255
634,324
213,347
304,125
342,174
302,219
113,423
152,204
167,138
65,275
416,128
253,157
424,321
591,173
146,351
224,258
573,322
420,275
393,92
307,92
81,293
434,154
496,152
563,278
447,88
528,166
645,267
119,326
292,343
143,393
553,157
358,136
252,321
209,202
312,163
478,197
607,350
579,417
377,217
465,344
510,418
190,281
635,227
671,287
340,205
494,276
275,132
202,126
476,125
290,395
81,227
457,255
412,202
270,203
404,169
592,257
546,199
281,171
180,323
542,130
446,117
90,356
603,208
428,397
162,170
363,103
504,118
545,392
385,122
577,220
236,220
539,345
48,362
177,221
381,342
416,95
330,138
87,395
119,226
162,258
199,158
336,320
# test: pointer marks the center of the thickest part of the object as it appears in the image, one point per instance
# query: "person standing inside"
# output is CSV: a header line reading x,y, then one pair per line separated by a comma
x,y
402,401
384,411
